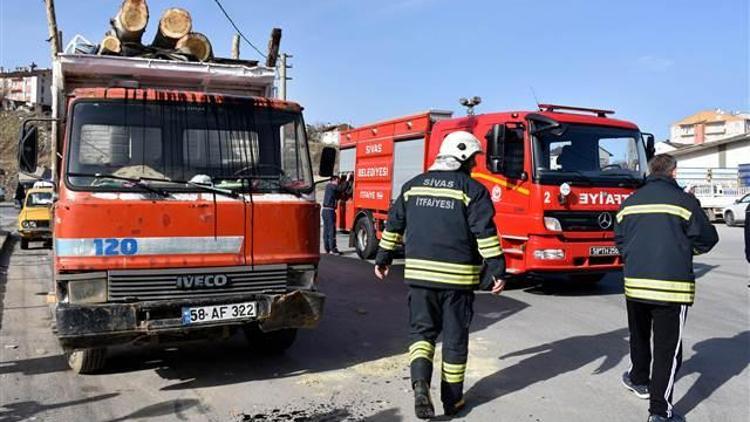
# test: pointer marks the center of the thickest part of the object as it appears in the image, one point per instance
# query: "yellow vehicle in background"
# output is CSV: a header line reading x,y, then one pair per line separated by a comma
x,y
34,218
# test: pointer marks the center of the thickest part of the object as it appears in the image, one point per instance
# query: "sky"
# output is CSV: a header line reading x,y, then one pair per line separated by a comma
x,y
358,61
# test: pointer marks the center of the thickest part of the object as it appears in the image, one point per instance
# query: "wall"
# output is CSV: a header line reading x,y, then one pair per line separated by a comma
x,y
733,155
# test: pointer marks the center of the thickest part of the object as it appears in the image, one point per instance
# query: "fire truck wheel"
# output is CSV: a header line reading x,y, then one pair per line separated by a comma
x,y
272,342
365,241
86,361
587,278
24,243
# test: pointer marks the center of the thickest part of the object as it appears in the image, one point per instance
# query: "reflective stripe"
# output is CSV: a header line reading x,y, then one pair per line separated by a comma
x,y
421,350
438,192
489,247
393,237
654,209
466,280
488,241
177,245
659,296
490,252
425,264
501,182
453,372
647,283
387,245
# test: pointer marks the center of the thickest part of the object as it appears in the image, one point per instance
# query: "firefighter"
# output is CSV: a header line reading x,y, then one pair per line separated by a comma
x,y
658,230
445,219
330,200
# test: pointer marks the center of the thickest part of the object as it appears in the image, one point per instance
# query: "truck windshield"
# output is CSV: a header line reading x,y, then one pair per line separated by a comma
x,y
237,145
591,154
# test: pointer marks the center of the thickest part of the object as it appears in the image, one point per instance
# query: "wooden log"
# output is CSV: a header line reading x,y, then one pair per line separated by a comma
x,y
236,47
273,47
174,24
131,20
197,45
110,44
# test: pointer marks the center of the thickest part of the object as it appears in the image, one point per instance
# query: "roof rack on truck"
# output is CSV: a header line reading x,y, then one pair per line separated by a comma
x,y
555,107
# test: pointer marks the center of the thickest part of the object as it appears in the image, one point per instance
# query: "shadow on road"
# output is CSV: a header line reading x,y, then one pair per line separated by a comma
x,y
548,361
174,408
701,269
35,366
365,322
25,410
716,360
5,254
553,285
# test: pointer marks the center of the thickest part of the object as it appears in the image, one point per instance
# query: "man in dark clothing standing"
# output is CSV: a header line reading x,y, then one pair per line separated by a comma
x,y
747,233
446,220
658,230
330,200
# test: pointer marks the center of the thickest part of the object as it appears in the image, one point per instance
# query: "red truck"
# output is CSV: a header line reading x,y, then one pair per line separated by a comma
x,y
184,205
556,176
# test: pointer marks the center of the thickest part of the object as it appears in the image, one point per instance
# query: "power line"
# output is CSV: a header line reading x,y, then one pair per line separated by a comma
x,y
238,29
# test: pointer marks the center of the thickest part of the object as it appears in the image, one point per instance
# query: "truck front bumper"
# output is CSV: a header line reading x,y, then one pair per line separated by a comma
x,y
576,256
97,325
35,234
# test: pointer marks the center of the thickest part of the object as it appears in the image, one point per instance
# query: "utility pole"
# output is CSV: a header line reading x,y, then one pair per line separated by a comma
x,y
283,66
55,38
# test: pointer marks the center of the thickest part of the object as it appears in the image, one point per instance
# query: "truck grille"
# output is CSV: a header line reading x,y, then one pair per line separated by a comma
x,y
582,221
163,284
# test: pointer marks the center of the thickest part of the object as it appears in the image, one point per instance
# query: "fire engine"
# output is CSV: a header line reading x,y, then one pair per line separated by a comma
x,y
556,175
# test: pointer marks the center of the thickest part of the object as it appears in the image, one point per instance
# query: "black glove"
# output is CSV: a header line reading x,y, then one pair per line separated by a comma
x,y
494,268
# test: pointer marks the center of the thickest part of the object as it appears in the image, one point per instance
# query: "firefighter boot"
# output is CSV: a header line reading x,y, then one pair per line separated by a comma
x,y
453,409
423,407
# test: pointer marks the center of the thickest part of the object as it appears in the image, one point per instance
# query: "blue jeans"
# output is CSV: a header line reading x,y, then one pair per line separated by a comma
x,y
329,230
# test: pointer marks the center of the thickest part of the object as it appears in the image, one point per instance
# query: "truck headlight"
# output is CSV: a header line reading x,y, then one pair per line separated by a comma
x,y
302,277
552,224
549,254
87,291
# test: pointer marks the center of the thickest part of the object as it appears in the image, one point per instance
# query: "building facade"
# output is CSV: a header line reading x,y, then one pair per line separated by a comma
x,y
28,87
709,126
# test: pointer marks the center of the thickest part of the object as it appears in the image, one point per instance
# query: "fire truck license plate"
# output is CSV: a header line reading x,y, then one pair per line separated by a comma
x,y
195,315
603,251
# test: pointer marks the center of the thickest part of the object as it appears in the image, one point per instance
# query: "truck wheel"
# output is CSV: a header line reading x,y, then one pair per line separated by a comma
x,y
587,278
729,218
86,361
24,243
365,241
272,342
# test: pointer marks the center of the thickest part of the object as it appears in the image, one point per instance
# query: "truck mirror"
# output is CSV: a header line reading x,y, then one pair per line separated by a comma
x,y
28,149
495,148
650,145
327,162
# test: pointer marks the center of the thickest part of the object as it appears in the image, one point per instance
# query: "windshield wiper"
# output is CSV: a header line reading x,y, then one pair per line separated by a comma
x,y
140,182
283,187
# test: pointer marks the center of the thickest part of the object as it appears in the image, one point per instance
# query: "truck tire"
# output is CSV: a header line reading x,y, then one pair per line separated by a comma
x,y
272,342
86,361
729,218
365,241
24,243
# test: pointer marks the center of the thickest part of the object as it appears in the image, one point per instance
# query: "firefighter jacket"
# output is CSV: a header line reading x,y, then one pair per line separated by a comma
x,y
445,221
658,230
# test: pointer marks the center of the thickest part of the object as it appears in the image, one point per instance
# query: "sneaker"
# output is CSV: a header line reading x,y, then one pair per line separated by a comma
x,y
675,418
640,391
453,410
423,407
336,252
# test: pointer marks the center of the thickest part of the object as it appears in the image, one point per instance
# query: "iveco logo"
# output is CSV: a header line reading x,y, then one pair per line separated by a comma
x,y
201,281
605,220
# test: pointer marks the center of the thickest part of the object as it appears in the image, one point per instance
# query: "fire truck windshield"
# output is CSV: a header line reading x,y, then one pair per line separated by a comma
x,y
590,154
238,146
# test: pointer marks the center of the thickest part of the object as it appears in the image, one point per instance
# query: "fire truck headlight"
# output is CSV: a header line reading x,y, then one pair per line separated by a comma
x,y
565,189
552,224
302,277
87,291
549,254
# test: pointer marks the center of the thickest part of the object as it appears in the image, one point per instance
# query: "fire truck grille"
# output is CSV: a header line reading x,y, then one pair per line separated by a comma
x,y
195,282
584,221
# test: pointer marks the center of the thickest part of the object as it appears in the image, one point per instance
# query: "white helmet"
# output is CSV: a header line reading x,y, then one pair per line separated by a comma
x,y
456,148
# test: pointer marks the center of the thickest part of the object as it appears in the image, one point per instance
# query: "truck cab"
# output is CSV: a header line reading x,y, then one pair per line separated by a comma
x,y
181,213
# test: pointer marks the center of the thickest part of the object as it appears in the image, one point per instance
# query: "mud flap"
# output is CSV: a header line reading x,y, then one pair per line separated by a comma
x,y
299,309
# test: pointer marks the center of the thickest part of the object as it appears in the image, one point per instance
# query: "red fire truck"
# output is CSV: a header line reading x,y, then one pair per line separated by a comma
x,y
557,177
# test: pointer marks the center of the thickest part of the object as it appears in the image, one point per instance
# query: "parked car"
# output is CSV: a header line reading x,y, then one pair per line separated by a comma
x,y
735,214
34,218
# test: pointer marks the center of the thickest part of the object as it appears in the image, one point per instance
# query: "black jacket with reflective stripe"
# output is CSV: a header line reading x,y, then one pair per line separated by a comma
x,y
658,230
446,221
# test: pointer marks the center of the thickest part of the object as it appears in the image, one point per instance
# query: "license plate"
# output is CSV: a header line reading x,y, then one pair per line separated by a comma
x,y
199,314
603,251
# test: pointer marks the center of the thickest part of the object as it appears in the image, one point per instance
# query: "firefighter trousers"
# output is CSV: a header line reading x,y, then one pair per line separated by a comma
x,y
659,369
432,311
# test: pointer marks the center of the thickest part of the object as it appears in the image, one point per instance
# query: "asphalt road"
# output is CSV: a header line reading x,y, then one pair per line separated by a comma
x,y
551,352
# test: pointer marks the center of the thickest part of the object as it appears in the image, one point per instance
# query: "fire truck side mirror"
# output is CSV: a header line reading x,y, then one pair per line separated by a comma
x,y
496,148
327,162
28,149
650,145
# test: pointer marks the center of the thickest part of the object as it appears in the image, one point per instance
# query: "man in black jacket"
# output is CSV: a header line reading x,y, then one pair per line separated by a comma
x,y
446,219
330,201
658,230
747,233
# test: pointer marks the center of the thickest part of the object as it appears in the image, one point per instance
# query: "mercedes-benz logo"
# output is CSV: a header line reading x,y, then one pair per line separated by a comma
x,y
605,220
